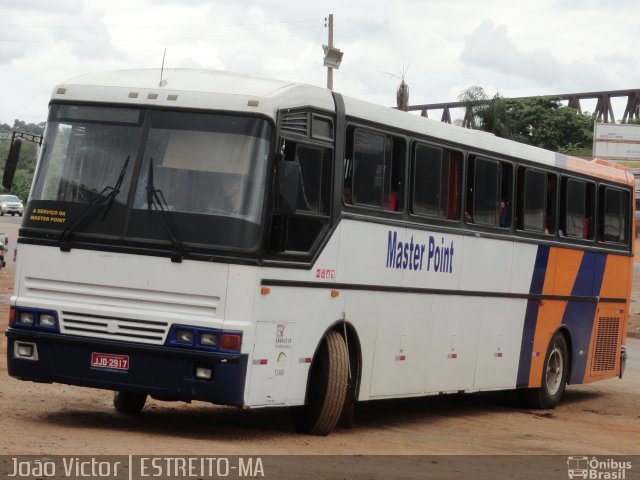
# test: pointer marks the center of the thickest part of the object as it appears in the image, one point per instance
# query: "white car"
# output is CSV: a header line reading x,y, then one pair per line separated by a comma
x,y
11,204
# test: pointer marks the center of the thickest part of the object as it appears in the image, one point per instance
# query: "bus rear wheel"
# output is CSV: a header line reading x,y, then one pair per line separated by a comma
x,y
554,376
129,403
327,388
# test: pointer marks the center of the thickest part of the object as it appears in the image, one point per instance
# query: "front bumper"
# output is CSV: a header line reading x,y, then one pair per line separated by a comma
x,y
162,372
14,210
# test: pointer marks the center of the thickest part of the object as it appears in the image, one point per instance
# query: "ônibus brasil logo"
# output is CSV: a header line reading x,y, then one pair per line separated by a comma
x,y
597,469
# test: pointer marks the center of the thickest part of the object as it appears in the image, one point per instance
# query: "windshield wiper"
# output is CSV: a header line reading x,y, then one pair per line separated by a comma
x,y
108,194
116,188
155,198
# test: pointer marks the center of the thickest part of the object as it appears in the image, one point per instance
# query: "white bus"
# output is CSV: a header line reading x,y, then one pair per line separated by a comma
x,y
252,242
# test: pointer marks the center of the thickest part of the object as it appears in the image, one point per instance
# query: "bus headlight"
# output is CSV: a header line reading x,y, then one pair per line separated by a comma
x,y
25,318
47,320
209,339
204,339
33,319
185,336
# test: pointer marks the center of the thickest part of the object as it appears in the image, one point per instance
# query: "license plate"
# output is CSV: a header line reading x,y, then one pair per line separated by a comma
x,y
108,360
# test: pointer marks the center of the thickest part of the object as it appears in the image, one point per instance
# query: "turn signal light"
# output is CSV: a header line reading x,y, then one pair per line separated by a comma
x,y
230,341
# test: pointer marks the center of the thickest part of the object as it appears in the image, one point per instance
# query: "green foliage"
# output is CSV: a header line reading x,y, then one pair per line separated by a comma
x,y
28,156
539,121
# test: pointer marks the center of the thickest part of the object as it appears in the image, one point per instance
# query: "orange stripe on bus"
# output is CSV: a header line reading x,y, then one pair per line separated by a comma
x,y
601,169
562,270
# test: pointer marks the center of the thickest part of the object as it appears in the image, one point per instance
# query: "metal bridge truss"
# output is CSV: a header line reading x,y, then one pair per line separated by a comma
x,y
602,113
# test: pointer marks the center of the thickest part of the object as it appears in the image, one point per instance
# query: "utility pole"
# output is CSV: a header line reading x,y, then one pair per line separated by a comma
x,y
330,69
332,55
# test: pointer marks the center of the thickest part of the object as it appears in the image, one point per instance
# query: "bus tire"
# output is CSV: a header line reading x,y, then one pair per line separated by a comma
x,y
129,403
554,376
327,388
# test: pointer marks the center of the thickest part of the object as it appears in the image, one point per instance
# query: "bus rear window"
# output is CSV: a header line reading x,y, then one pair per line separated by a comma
x,y
613,218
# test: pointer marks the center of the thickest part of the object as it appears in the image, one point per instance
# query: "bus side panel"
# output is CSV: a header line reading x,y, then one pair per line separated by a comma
x,y
579,316
371,254
453,343
486,265
609,327
400,359
561,272
291,323
499,343
580,274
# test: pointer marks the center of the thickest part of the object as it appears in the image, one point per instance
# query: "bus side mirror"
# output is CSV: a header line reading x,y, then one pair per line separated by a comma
x,y
12,163
288,187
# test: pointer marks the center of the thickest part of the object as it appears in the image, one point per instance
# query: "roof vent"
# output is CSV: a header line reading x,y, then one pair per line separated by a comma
x,y
296,122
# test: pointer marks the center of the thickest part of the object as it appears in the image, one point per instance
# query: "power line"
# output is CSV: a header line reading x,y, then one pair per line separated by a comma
x,y
174,39
232,25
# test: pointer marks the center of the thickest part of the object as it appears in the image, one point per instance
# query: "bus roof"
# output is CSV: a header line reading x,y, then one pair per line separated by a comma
x,y
192,88
202,89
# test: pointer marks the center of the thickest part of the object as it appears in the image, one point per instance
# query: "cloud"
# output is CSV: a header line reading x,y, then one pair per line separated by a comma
x,y
598,4
489,51
55,6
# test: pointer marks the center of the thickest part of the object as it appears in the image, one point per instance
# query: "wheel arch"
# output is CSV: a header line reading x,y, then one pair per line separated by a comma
x,y
566,333
349,333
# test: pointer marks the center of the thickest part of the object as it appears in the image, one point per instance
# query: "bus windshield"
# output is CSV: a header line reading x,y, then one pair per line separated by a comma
x,y
204,172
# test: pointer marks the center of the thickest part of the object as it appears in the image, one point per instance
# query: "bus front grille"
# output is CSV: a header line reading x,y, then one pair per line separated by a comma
x,y
145,331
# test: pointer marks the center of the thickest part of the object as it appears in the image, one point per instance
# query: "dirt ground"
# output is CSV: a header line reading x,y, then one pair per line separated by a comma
x,y
40,419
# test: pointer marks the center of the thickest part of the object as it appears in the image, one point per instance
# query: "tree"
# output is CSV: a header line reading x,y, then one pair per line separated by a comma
x,y
27,159
539,121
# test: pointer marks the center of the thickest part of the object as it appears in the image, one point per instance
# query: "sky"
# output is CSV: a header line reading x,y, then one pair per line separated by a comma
x,y
441,46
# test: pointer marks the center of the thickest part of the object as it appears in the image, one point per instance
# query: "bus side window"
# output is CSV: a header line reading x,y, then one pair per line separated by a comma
x,y
577,216
375,179
314,195
489,192
436,182
314,170
533,201
613,215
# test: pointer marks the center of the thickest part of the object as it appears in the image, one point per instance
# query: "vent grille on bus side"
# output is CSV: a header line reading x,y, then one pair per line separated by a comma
x,y
114,327
605,352
297,123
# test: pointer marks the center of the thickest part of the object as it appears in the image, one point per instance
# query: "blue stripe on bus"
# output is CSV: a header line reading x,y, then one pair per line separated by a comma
x,y
579,316
531,316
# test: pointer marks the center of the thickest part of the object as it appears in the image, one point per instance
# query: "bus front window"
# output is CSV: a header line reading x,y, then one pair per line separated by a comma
x,y
191,179
86,150
209,172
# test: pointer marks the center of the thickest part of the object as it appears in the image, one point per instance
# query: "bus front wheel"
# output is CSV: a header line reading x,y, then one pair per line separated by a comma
x,y
554,376
129,403
327,388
